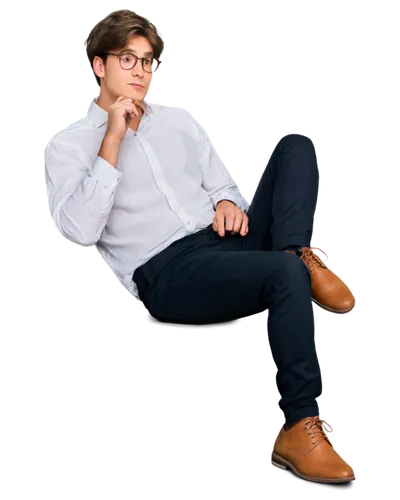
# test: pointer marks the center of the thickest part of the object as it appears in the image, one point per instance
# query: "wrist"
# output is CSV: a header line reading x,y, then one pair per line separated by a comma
x,y
112,139
224,201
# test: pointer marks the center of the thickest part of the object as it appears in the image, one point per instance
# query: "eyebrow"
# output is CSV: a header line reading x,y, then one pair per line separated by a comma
x,y
134,51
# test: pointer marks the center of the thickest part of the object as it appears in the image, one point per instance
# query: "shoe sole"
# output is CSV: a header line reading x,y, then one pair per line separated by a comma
x,y
333,310
284,464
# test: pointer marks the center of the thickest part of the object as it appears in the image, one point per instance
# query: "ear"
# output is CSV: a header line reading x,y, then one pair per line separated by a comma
x,y
98,66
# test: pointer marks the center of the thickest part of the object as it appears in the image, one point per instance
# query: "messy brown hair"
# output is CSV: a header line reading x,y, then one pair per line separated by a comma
x,y
112,33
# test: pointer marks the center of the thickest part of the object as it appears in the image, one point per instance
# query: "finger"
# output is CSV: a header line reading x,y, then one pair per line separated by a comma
x,y
239,224
220,223
130,108
231,221
126,105
130,112
245,227
134,110
221,226
245,223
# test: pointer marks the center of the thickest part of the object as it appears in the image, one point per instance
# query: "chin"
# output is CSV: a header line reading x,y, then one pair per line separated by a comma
x,y
136,92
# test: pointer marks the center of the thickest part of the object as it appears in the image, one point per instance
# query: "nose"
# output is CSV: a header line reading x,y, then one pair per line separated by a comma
x,y
138,68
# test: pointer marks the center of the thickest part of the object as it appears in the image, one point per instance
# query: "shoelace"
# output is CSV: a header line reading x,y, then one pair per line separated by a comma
x,y
311,260
315,427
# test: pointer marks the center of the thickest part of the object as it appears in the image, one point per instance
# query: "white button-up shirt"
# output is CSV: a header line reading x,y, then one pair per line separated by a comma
x,y
167,183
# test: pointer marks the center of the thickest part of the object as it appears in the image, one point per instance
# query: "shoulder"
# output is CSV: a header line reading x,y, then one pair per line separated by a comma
x,y
179,114
78,135
174,112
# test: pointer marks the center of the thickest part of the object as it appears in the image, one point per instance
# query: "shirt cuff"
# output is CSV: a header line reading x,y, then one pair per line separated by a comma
x,y
105,172
238,201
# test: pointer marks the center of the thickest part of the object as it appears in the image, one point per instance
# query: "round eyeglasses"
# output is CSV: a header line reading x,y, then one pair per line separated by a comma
x,y
127,60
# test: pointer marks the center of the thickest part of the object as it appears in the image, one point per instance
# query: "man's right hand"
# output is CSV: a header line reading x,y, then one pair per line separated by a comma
x,y
120,114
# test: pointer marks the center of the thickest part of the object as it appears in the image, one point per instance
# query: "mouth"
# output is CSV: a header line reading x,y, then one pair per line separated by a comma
x,y
136,86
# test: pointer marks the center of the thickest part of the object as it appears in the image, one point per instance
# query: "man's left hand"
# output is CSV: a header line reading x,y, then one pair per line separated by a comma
x,y
230,217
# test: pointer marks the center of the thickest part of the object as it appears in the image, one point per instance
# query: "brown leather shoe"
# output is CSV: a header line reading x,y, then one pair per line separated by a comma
x,y
327,290
306,450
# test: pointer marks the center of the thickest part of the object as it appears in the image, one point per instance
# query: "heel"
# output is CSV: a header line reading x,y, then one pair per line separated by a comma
x,y
277,461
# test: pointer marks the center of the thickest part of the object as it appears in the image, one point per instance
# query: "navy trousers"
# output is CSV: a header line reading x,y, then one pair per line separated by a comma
x,y
206,278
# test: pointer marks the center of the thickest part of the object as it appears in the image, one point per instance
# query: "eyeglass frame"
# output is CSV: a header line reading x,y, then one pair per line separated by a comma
x,y
137,59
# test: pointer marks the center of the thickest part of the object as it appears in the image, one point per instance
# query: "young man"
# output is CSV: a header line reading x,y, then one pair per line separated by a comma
x,y
145,185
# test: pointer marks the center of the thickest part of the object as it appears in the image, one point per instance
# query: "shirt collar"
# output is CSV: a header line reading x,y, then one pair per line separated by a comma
x,y
98,116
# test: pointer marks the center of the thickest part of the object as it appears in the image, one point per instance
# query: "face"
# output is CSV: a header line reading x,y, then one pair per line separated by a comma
x,y
116,81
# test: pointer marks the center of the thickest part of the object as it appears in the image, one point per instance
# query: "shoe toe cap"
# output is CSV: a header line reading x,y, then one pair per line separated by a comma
x,y
347,473
348,303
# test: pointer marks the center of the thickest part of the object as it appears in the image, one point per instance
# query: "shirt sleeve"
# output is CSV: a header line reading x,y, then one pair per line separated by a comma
x,y
80,192
216,179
